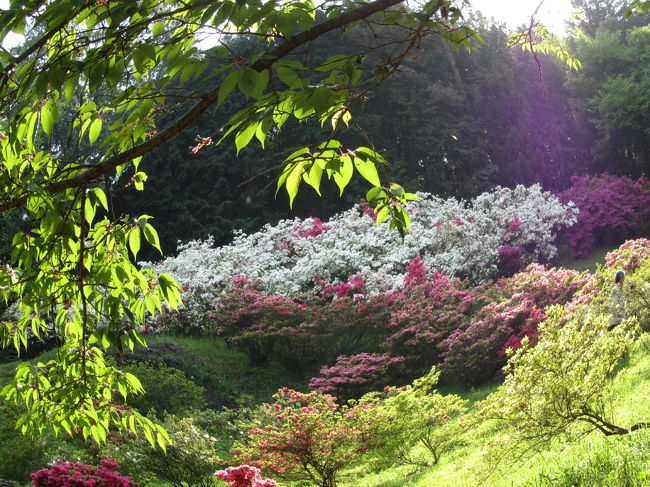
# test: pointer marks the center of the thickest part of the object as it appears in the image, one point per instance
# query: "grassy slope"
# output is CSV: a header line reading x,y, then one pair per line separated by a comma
x,y
593,461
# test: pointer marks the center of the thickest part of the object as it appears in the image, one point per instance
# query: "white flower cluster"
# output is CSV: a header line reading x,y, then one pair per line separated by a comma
x,y
458,238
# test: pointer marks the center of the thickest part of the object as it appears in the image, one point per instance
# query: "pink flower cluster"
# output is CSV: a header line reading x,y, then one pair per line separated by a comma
x,y
310,437
70,474
354,371
629,255
350,288
317,228
244,476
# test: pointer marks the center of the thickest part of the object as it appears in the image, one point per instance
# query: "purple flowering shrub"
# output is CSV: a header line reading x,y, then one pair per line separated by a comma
x,y
510,259
353,376
70,474
605,202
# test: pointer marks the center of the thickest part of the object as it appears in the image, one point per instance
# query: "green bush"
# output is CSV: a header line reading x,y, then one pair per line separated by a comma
x,y
19,455
166,389
190,461
22,455
561,388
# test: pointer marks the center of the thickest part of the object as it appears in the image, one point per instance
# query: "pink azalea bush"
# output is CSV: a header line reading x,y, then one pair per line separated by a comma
x,y
431,320
629,256
472,355
614,203
352,376
475,353
71,474
244,476
338,321
429,308
262,324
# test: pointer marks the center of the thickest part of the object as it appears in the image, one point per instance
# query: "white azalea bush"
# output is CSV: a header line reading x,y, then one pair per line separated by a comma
x,y
458,238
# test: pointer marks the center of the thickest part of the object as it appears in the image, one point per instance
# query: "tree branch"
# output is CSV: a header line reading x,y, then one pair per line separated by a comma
x,y
208,100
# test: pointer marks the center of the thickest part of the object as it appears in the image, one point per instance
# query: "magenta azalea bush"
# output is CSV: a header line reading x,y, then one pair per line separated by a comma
x,y
70,474
426,311
476,353
615,203
244,476
361,340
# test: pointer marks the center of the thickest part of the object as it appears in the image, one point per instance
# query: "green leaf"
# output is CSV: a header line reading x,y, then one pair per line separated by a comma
x,y
252,83
243,137
134,241
49,116
94,130
368,170
313,177
101,197
343,174
294,175
227,85
289,77
138,180
151,236
373,194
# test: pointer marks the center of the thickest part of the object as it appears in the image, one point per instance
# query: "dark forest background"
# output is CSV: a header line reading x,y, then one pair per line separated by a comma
x,y
450,122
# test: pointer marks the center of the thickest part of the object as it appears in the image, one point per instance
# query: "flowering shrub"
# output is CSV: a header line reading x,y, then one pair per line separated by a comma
x,y
295,334
426,311
189,461
510,259
629,256
311,438
476,353
244,476
638,294
352,376
545,286
261,324
458,238
471,355
70,474
605,202
634,258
